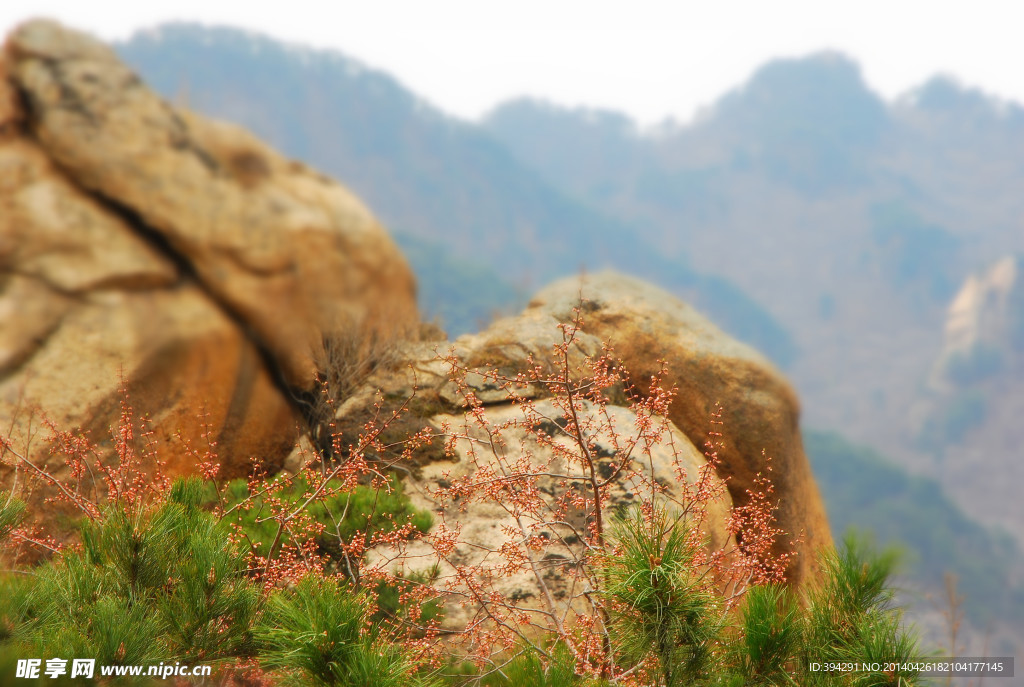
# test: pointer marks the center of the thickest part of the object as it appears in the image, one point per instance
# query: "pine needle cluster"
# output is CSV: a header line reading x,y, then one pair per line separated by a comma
x,y
146,585
316,634
666,618
168,584
662,605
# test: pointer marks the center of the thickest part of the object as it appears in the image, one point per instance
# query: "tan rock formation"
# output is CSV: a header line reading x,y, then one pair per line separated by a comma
x,y
486,525
263,235
176,253
645,324
761,413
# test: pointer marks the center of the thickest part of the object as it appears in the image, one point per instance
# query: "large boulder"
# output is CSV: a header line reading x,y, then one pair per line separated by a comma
x,y
147,248
645,326
488,525
263,235
760,411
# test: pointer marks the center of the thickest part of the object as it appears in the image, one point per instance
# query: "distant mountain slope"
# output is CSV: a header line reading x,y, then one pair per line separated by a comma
x,y
852,219
430,177
865,490
462,295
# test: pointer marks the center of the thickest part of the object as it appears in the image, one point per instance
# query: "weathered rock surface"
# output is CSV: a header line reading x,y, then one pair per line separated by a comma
x,y
645,325
486,524
760,411
180,254
263,235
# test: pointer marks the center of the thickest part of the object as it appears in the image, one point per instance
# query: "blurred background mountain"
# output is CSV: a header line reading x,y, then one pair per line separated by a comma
x,y
867,247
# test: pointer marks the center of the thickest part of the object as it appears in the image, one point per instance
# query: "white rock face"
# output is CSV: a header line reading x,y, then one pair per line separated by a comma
x,y
979,312
984,316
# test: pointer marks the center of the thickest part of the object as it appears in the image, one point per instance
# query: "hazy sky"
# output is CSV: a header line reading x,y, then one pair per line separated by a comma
x,y
650,59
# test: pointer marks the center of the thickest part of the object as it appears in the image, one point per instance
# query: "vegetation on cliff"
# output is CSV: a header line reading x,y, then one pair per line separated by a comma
x,y
284,580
